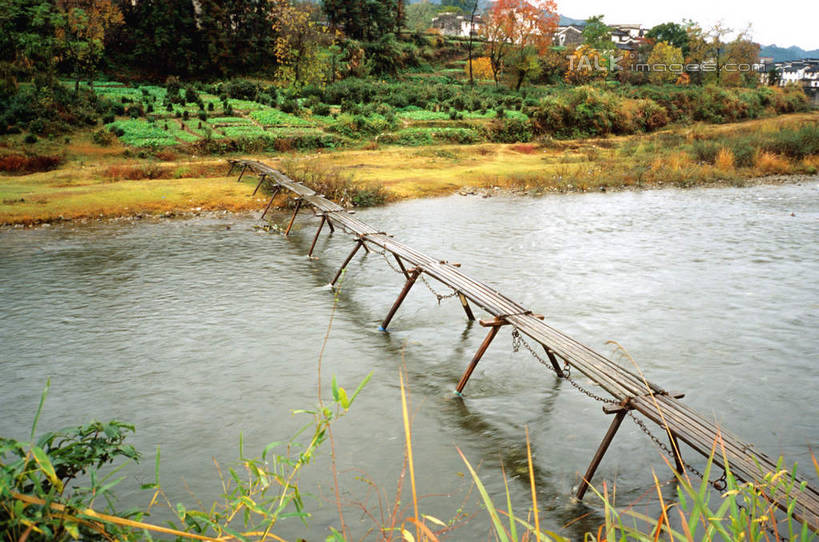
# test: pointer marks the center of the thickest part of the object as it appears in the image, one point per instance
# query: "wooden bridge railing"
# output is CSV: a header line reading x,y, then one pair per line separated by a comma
x,y
628,391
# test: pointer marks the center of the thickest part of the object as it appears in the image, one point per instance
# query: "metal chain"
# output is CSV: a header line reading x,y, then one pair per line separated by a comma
x,y
660,444
440,296
518,341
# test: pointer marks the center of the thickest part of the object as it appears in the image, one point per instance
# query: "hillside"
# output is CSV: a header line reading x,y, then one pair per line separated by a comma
x,y
781,54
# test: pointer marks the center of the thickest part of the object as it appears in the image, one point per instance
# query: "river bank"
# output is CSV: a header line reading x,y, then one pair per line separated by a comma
x,y
773,150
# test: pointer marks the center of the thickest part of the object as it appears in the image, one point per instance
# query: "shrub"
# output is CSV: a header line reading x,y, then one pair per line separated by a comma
x,y
241,89
30,139
705,151
509,131
321,110
795,143
103,137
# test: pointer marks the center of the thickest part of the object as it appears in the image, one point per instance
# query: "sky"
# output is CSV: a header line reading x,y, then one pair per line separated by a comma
x,y
782,22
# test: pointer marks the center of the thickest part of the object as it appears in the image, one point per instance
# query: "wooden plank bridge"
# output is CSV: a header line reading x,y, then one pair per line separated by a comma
x,y
628,391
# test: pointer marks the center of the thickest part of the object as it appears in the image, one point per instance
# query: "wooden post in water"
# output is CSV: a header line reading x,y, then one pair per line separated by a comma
x,y
318,231
494,327
465,305
555,364
675,447
293,218
269,203
347,261
401,265
407,286
620,413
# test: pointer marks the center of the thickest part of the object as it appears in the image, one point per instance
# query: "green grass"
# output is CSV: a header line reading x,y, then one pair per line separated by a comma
x,y
232,121
141,133
274,117
244,131
245,105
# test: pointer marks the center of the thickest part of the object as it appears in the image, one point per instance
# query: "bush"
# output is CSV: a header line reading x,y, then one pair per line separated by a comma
x,y
241,89
103,137
796,143
17,163
321,110
509,131
30,139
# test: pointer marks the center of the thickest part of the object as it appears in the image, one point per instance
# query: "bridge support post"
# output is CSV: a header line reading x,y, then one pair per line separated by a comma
x,y
401,265
262,177
494,326
293,218
242,173
347,261
555,364
465,305
269,203
601,451
330,223
232,165
411,278
318,231
675,447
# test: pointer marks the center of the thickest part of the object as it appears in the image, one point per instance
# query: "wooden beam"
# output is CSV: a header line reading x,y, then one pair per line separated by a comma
x,y
269,203
318,231
601,451
407,287
465,305
262,177
493,330
357,246
293,218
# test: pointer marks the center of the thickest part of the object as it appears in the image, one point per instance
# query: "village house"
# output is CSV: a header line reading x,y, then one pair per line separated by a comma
x,y
570,36
451,24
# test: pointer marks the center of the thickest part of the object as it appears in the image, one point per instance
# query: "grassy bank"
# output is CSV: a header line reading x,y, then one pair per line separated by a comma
x,y
96,181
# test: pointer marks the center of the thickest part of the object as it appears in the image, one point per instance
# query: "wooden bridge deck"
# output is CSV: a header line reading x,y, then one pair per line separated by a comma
x,y
627,389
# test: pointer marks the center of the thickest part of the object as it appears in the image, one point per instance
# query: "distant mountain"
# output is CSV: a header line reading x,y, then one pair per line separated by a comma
x,y
565,21
780,54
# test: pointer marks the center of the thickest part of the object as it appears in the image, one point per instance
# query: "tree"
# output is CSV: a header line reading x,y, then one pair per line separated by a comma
x,y
664,59
523,65
597,35
419,16
80,32
472,13
514,26
672,33
27,38
161,37
297,42
699,51
742,52
366,20
586,64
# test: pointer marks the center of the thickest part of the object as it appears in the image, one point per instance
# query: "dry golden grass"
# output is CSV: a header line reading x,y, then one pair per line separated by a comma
x,y
99,181
725,160
769,163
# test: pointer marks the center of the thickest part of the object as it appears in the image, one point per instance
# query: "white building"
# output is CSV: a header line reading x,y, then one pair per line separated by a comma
x,y
451,24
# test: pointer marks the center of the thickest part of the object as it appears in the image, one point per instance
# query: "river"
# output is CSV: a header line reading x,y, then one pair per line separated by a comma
x,y
197,330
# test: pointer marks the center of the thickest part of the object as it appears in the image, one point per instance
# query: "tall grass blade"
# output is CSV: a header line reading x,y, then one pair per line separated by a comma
x,y
408,436
40,408
487,501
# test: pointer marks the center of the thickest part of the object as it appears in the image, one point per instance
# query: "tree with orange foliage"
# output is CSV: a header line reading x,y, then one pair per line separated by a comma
x,y
80,30
517,30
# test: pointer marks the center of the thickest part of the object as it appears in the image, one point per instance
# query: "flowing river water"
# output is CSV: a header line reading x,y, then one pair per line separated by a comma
x,y
197,330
